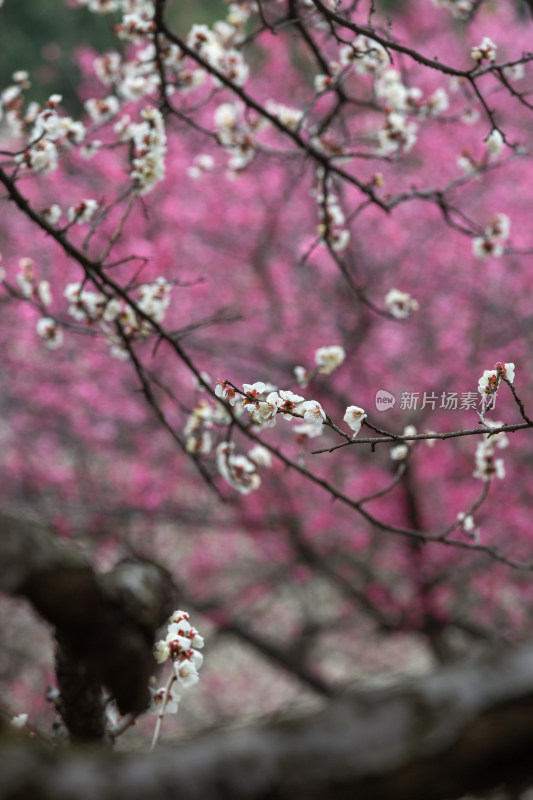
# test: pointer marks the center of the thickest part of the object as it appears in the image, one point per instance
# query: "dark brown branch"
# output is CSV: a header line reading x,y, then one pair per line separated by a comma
x,y
104,623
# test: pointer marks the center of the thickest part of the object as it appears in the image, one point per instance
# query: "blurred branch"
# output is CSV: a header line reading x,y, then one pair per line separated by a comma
x,y
462,729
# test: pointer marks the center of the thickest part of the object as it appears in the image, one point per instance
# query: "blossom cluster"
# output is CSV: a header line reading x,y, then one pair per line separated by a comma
x,y
181,645
265,403
118,320
400,304
490,380
332,226
494,237
45,129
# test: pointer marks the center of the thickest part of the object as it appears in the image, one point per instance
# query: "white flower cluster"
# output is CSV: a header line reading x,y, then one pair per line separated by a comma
x,y
493,239
39,291
150,145
94,307
264,403
490,380
290,117
215,47
45,128
332,223
391,90
400,451
137,22
398,97
199,424
368,57
396,135
236,134
181,645
202,163
102,110
486,51
238,470
459,8
487,465
82,211
400,304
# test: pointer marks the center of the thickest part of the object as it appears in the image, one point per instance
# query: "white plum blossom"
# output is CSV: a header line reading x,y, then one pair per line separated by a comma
x,y
354,417
313,412
396,96
495,234
225,392
51,213
82,211
26,276
483,247
41,157
291,118
50,332
500,440
181,645
461,9
237,470
499,228
253,391
202,163
103,109
286,402
368,56
438,102
466,522
494,144
263,412
158,698
201,443
43,293
134,28
21,719
399,452
260,456
186,673
154,299
514,72
329,358
397,134
150,145
487,465
490,380
466,163
484,51
301,375
400,304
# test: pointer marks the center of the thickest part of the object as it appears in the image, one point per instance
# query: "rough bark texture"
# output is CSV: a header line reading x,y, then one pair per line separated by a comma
x,y
463,729
105,623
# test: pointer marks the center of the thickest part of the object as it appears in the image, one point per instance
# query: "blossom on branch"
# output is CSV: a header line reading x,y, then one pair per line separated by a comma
x,y
400,304
329,358
50,331
354,418
313,412
484,51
